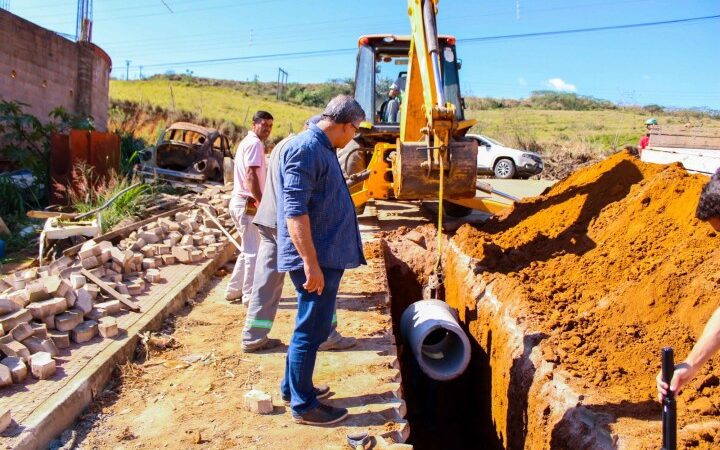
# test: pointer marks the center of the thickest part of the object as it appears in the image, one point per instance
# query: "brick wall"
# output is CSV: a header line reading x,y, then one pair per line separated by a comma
x,y
45,70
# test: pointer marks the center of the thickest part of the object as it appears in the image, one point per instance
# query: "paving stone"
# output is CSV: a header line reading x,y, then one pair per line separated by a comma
x,y
15,348
60,338
77,280
90,262
49,322
42,365
183,254
197,256
169,260
7,306
68,320
70,297
84,300
46,308
121,288
112,307
84,331
36,345
39,330
5,376
19,299
209,252
93,290
149,237
258,402
21,331
149,263
108,327
10,320
149,251
5,419
153,276
96,314
18,368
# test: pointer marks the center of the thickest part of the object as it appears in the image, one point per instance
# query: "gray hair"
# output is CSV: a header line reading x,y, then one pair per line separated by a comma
x,y
344,109
709,204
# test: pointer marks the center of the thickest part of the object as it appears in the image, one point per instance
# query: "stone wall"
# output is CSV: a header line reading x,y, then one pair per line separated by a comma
x,y
45,70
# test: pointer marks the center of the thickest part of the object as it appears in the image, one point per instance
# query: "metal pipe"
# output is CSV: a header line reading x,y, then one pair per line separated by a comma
x,y
440,346
433,48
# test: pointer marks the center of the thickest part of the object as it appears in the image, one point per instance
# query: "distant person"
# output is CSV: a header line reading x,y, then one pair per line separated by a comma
x,y
391,106
249,175
708,209
267,281
645,140
318,239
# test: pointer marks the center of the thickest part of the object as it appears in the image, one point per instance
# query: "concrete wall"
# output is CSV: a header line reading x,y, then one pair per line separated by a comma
x,y
45,70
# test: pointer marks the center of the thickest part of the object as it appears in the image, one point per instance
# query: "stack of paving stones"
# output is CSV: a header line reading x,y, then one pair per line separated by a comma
x,y
45,309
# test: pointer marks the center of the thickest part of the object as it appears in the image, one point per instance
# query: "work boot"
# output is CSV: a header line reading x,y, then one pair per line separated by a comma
x,y
339,344
262,345
234,296
321,391
322,415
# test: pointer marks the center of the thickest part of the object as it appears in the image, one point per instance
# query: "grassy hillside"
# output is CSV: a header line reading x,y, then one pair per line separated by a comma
x,y
597,129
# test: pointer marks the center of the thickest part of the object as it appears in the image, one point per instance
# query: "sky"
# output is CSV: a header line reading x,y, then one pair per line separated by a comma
x,y
674,65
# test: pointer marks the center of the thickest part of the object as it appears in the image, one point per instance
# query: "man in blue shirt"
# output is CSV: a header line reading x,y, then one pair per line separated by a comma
x,y
318,238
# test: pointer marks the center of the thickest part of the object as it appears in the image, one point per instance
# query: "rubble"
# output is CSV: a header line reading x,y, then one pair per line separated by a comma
x,y
258,402
16,366
42,365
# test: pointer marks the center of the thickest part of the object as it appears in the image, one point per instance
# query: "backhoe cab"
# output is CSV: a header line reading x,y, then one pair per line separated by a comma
x,y
420,152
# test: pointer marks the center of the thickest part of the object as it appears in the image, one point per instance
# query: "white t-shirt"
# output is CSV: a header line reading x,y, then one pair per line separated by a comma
x,y
250,153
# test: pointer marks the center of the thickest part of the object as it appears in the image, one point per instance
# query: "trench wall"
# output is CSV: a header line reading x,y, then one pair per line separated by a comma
x,y
44,70
531,404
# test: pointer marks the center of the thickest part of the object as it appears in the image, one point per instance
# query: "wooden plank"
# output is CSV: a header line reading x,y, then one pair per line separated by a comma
x,y
685,139
106,287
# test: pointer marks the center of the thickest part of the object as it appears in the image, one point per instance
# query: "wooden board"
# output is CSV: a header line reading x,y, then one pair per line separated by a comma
x,y
697,139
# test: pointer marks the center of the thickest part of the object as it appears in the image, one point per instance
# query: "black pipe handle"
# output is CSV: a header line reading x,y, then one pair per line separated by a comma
x,y
669,414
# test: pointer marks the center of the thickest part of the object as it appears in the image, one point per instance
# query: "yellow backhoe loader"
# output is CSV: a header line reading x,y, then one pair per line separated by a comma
x,y
420,153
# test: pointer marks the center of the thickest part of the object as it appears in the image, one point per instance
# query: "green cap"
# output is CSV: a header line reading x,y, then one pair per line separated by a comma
x,y
651,121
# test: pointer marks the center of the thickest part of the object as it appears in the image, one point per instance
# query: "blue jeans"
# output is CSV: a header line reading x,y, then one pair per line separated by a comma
x,y
312,327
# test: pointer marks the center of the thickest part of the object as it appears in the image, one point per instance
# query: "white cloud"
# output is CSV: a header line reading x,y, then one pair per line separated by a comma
x,y
560,85
522,82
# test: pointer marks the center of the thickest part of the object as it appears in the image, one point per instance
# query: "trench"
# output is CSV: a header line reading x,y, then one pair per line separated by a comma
x,y
453,414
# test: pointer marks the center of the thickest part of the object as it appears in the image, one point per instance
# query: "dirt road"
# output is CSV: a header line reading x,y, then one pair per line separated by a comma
x,y
191,393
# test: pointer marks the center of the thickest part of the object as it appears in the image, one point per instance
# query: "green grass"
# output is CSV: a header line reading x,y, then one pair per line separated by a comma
x,y
220,103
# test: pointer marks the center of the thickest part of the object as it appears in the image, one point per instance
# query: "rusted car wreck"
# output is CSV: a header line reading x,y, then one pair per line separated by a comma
x,y
189,152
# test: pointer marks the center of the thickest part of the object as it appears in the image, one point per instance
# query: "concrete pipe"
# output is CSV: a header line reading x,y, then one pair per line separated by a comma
x,y
439,344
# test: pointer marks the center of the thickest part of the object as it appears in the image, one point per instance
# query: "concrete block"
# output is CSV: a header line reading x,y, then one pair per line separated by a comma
x,y
68,320
163,249
18,368
210,252
149,263
46,308
42,365
21,331
197,256
169,260
70,297
36,292
186,240
84,300
208,239
149,251
84,331
112,307
49,322
105,256
18,299
98,272
36,345
153,276
90,262
10,320
39,330
140,243
121,288
60,338
107,326
175,237
5,376
181,217
77,280
93,290
5,419
14,348
182,254
258,402
149,237
7,306
117,267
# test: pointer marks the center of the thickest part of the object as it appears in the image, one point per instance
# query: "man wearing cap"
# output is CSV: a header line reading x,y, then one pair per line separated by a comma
x,y
645,140
268,282
318,239
390,107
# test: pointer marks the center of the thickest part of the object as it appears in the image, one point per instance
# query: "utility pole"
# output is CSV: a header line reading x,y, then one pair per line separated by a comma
x,y
281,83
83,26
127,69
141,75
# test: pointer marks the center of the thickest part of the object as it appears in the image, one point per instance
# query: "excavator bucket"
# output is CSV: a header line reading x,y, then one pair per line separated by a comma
x,y
414,181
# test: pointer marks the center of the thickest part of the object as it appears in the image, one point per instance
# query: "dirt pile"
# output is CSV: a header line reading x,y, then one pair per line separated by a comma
x,y
612,265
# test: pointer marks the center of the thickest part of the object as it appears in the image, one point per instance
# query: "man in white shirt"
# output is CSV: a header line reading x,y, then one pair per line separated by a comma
x,y
249,180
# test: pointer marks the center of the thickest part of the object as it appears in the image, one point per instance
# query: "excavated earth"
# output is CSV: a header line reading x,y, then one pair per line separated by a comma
x,y
570,298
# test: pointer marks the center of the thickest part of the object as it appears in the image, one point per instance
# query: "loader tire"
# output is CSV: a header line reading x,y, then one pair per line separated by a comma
x,y
353,159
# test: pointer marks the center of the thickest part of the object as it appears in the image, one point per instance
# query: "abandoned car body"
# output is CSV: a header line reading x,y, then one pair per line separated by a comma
x,y
189,151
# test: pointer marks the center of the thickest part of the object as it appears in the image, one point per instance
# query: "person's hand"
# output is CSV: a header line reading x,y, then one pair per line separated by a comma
x,y
684,372
314,276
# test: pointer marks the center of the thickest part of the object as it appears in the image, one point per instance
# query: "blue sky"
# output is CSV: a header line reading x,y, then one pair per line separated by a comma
x,y
671,65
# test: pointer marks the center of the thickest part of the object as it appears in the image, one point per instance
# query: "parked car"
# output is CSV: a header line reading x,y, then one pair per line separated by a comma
x,y
189,151
496,159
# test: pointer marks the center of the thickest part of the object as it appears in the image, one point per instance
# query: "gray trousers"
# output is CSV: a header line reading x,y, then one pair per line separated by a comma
x,y
266,292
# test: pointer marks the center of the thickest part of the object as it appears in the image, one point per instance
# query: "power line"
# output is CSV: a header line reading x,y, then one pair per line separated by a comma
x,y
588,30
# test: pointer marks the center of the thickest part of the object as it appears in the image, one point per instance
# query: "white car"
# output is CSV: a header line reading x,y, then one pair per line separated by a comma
x,y
504,162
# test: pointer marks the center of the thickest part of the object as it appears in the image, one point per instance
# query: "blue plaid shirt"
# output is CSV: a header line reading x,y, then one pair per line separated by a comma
x,y
311,182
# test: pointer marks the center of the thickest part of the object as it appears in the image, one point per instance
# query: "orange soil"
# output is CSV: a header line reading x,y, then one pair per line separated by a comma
x,y
613,266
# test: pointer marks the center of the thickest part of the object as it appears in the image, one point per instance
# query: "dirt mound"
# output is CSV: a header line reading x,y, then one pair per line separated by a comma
x,y
612,265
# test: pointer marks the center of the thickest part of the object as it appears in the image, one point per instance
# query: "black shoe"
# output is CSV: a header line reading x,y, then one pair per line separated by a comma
x,y
321,391
322,415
